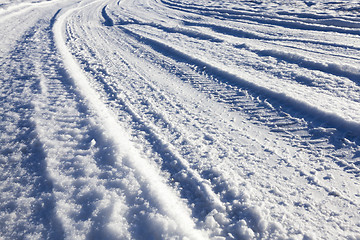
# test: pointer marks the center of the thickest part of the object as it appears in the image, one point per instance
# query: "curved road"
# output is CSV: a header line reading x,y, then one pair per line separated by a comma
x,y
165,119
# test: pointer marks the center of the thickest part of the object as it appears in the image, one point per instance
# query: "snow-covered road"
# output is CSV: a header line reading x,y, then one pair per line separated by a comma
x,y
179,119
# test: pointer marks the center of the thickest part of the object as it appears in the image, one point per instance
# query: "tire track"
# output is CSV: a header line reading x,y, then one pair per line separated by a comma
x,y
340,70
108,21
27,202
234,15
23,8
151,127
109,148
161,123
256,34
331,68
315,138
74,152
154,203
304,133
241,33
264,107
106,73
149,130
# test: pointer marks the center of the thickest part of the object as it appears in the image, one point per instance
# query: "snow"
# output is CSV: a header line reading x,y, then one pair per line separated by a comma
x,y
179,119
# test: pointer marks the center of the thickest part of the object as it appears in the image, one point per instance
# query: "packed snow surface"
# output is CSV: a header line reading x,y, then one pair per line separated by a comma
x,y
180,119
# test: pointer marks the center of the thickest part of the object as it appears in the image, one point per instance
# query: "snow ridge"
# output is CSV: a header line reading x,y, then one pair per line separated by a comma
x,y
165,199
169,119
332,118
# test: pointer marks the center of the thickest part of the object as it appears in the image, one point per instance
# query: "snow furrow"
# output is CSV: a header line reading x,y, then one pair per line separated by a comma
x,y
154,187
333,68
134,83
292,127
23,8
310,134
180,173
168,50
295,124
349,72
175,119
241,33
83,206
183,175
27,202
108,21
235,15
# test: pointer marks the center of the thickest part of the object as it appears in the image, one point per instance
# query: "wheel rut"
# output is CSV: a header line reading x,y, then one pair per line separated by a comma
x,y
293,124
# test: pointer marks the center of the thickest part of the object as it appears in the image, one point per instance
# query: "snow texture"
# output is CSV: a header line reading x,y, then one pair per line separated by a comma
x,y
180,119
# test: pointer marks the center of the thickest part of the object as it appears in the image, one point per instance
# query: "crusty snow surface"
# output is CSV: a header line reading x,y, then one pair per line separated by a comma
x,y
179,119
